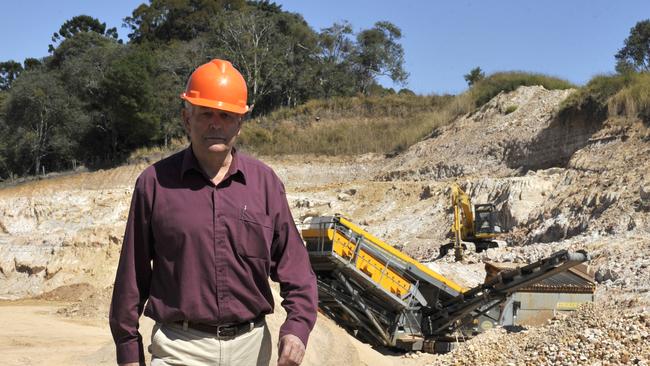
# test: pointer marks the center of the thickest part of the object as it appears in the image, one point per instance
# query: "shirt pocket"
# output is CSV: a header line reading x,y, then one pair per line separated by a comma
x,y
252,234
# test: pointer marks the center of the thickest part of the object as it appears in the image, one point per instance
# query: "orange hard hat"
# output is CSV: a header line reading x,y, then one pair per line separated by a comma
x,y
219,85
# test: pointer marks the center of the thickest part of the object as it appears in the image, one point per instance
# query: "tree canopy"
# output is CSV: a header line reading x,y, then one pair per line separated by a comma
x,y
475,75
79,24
167,20
9,71
635,54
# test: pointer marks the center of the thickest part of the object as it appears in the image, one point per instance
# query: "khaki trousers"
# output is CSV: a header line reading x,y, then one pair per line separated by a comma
x,y
173,345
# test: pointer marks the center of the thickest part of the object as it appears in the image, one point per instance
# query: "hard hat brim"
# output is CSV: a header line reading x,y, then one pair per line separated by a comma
x,y
228,107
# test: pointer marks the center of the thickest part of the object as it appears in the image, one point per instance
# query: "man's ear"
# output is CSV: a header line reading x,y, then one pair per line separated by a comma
x,y
249,112
185,119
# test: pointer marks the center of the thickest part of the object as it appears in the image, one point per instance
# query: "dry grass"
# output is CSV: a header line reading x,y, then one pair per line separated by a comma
x,y
618,95
489,87
155,153
632,101
366,124
349,126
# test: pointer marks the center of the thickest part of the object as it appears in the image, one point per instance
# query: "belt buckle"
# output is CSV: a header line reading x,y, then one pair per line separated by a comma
x,y
226,331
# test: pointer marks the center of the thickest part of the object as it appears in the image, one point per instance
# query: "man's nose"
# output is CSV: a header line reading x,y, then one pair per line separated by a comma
x,y
216,121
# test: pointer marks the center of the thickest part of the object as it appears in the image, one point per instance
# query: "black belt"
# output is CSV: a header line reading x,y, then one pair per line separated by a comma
x,y
226,330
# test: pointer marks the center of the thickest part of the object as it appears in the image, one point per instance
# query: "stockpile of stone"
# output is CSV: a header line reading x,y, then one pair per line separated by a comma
x,y
596,334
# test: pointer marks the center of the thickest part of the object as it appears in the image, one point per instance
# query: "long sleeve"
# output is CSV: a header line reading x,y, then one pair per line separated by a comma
x,y
290,267
133,276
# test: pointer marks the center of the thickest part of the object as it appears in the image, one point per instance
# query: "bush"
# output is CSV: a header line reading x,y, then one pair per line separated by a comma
x,y
626,95
486,89
511,109
633,100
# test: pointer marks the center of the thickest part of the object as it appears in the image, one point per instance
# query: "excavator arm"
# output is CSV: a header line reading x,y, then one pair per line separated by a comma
x,y
463,222
473,223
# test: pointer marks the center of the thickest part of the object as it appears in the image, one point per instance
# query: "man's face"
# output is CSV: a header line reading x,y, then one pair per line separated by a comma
x,y
211,130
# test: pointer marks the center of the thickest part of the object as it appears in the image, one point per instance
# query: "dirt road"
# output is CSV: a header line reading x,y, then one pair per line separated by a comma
x,y
32,333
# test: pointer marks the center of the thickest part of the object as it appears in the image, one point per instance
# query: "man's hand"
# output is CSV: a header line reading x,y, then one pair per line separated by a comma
x,y
291,350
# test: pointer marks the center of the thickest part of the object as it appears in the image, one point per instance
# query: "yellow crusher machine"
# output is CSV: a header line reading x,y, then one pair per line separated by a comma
x,y
385,297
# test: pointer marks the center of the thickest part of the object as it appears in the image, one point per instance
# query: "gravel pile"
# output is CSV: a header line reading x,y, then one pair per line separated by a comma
x,y
596,334
614,330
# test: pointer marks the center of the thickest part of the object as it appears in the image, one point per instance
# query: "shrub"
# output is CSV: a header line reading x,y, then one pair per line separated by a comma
x,y
486,89
511,109
633,100
625,95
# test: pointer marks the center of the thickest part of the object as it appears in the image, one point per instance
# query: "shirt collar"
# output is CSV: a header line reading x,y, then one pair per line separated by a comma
x,y
191,163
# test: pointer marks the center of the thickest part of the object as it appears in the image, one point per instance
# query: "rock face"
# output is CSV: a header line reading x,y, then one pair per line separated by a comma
x,y
56,238
558,183
489,142
553,176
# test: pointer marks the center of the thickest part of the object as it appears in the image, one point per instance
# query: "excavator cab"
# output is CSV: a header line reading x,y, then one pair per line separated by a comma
x,y
486,220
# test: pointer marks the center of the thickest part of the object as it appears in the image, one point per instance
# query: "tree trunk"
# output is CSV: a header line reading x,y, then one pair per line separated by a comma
x,y
37,165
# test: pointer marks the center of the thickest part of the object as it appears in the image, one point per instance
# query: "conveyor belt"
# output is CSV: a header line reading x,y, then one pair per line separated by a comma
x,y
385,297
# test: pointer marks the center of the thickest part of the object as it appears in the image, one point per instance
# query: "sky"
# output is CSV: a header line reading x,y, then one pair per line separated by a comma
x,y
442,40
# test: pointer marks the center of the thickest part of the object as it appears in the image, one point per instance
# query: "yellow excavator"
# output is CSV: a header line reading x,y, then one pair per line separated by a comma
x,y
477,224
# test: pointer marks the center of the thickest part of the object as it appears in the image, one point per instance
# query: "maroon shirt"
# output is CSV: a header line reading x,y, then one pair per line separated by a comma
x,y
213,249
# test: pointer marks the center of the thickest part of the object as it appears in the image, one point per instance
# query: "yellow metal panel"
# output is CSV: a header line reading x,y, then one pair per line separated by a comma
x,y
316,233
402,256
375,269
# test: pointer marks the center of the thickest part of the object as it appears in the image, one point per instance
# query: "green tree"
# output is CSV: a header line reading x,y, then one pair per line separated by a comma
x,y
335,76
248,39
123,113
475,75
380,54
41,117
167,20
336,43
635,54
77,45
275,52
302,62
175,62
31,63
83,61
406,91
9,71
80,24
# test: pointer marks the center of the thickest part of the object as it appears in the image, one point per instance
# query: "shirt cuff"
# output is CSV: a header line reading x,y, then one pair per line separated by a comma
x,y
130,351
296,328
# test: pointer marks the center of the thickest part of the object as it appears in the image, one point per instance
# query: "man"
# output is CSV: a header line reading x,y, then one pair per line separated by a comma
x,y
206,229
